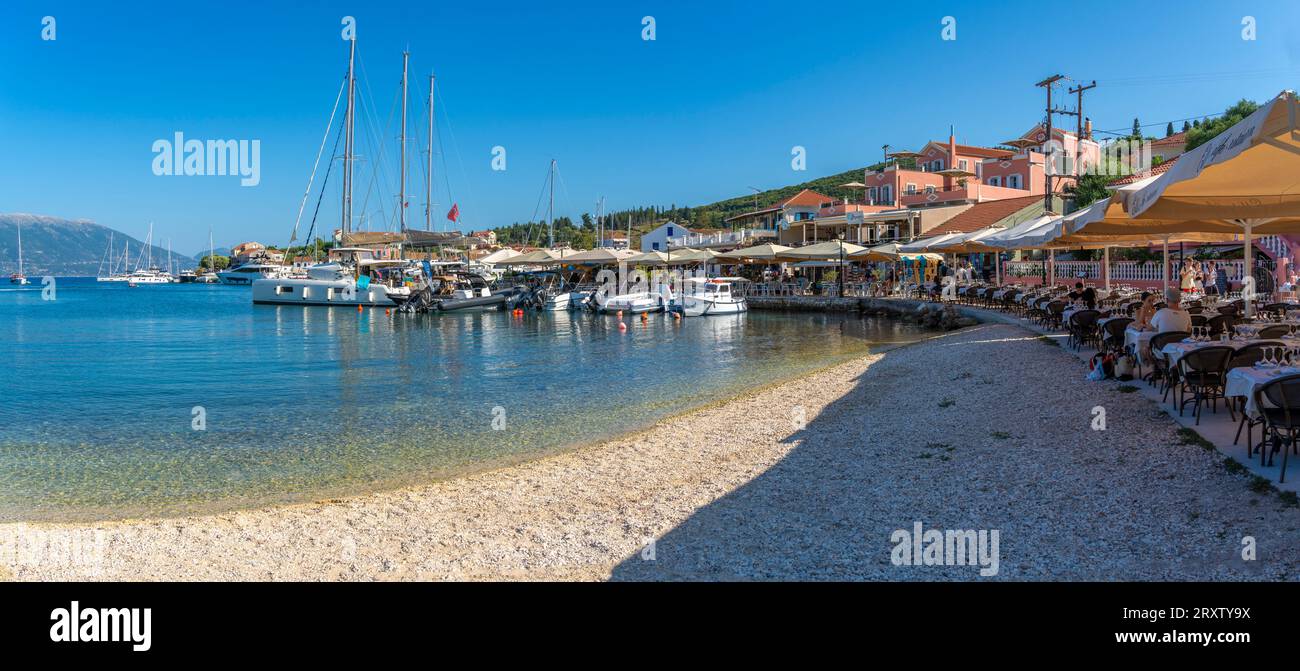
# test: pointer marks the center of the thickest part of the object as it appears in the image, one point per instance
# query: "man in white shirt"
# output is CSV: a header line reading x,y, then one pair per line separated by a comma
x,y
1173,317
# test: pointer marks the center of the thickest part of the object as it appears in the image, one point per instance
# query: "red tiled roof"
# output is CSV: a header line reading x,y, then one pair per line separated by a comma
x,y
1176,138
806,198
1157,170
983,215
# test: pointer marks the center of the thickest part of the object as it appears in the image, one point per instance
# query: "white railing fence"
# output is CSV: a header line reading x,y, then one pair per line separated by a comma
x,y
1121,271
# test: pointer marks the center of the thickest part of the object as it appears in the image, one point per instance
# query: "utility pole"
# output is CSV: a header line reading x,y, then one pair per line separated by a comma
x,y
1078,117
1047,173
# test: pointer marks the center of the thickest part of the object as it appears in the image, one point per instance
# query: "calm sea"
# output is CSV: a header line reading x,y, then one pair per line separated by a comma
x,y
102,390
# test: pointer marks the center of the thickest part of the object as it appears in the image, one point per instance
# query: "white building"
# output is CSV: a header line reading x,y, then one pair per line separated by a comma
x,y
657,240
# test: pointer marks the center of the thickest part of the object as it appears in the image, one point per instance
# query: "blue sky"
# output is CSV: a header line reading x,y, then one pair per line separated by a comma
x,y
712,106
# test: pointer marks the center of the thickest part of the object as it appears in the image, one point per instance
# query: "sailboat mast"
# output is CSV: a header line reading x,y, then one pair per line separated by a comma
x,y
406,57
550,211
20,248
428,174
349,123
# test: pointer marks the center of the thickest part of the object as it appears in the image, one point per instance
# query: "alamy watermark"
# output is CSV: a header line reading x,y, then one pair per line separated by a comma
x,y
950,547
179,156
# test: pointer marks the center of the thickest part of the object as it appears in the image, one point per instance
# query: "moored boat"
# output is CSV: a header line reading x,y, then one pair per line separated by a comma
x,y
713,296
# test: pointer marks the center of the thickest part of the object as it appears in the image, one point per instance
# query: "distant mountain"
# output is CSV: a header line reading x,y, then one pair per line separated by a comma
x,y
54,246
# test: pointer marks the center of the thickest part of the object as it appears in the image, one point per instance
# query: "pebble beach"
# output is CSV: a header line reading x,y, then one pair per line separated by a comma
x,y
985,428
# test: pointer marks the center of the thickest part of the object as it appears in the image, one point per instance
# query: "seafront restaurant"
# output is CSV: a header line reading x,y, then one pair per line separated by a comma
x,y
1223,360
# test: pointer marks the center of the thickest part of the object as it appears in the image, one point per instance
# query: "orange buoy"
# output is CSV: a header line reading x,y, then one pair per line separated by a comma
x,y
358,308
388,311
677,316
622,326
643,317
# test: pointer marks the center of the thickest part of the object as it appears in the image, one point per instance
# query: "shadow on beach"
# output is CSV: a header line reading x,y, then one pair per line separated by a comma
x,y
981,429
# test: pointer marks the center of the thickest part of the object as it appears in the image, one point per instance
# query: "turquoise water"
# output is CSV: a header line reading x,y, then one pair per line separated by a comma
x,y
100,388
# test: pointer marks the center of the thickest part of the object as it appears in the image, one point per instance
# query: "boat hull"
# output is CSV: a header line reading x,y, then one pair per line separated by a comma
x,y
698,307
319,293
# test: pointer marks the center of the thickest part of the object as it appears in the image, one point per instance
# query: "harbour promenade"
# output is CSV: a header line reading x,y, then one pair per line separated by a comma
x,y
1216,428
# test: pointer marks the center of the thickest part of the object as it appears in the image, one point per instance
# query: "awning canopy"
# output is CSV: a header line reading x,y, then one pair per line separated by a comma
x,y
1250,171
764,253
596,257
830,250
926,244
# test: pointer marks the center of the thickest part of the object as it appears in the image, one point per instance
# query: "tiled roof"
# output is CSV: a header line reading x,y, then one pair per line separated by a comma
x,y
1176,138
1157,170
983,215
806,198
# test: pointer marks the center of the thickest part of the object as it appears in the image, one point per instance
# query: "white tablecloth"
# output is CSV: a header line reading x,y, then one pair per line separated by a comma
x,y
1244,381
1174,351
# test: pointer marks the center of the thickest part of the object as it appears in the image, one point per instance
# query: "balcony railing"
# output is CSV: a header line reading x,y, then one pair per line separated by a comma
x,y
719,239
1120,271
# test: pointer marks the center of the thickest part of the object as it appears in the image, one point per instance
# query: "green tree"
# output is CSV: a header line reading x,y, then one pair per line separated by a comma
x,y
1169,130
1207,131
1187,125
1137,128
206,262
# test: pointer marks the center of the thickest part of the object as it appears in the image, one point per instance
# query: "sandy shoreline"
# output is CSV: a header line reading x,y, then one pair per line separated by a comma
x,y
986,428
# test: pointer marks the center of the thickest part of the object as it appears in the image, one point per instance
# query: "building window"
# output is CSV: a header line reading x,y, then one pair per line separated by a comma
x,y
995,181
654,246
911,189
1013,181
962,164
929,188
670,231
887,195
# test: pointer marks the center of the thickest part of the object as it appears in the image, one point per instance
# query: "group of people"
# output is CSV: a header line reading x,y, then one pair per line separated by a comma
x,y
1203,277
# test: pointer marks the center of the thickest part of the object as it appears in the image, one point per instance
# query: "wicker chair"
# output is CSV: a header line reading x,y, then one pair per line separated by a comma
x,y
1160,365
1204,371
1275,331
1083,329
1113,333
1278,402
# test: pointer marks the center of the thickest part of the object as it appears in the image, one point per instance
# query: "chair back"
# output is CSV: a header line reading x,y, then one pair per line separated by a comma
x,y
1220,323
1279,400
1213,359
1228,310
1199,320
1084,319
1115,327
1159,340
1275,331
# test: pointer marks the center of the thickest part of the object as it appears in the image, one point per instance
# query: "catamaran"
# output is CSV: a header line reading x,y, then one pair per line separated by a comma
x,y
351,276
19,277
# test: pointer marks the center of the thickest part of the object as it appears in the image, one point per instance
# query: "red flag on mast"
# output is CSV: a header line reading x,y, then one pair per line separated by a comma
x,y
454,213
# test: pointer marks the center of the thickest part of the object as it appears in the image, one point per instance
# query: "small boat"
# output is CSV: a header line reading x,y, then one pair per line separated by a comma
x,y
713,296
460,291
634,303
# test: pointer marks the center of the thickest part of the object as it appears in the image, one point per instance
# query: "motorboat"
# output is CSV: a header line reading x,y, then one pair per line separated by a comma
x,y
461,290
713,296
350,276
248,273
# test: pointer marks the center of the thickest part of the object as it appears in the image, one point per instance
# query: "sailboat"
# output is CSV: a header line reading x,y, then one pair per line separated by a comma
x,y
113,274
19,277
350,276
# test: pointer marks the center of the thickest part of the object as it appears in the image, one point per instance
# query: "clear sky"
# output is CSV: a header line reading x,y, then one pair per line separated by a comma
x,y
710,107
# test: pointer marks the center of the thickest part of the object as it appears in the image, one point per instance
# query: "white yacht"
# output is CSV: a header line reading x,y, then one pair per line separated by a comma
x,y
635,303
350,276
249,272
713,296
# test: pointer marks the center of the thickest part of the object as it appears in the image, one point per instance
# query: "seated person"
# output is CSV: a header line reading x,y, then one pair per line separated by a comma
x,y
1088,296
1173,317
1142,318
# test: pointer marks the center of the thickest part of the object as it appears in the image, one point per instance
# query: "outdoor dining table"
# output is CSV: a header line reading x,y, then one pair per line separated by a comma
x,y
1243,381
1175,351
